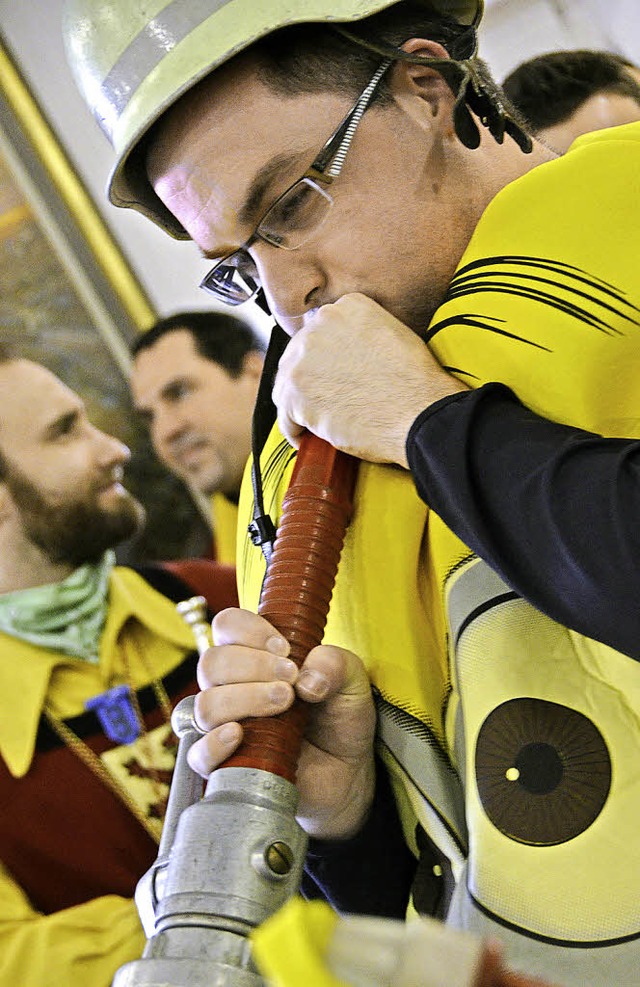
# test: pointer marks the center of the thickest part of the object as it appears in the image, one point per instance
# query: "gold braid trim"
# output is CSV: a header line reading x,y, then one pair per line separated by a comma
x,y
93,762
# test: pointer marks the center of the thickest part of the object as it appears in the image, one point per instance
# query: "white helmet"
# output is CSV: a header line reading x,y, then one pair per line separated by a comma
x,y
133,59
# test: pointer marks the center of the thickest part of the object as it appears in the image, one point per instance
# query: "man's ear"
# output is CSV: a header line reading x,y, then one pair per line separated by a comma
x,y
252,364
420,79
6,502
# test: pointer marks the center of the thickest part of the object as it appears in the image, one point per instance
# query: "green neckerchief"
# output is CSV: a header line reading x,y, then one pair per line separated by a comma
x,y
68,616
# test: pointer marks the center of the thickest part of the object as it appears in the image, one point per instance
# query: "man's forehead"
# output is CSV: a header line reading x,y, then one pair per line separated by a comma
x,y
233,87
224,98
224,150
31,398
166,355
168,362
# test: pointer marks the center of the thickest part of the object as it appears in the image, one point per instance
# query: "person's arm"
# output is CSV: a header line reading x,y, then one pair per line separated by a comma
x,y
83,946
371,873
553,509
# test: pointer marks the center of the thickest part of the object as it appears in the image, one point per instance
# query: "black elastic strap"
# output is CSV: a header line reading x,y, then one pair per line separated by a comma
x,y
262,530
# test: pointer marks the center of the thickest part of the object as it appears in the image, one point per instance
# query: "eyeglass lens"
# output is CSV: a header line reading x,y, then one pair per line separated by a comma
x,y
288,224
234,280
296,215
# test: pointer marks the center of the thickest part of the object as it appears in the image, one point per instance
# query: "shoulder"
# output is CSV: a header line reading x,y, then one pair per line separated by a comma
x,y
599,171
184,577
581,209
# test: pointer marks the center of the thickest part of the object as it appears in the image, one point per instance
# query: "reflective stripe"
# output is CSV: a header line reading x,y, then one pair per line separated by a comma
x,y
180,17
160,36
472,590
413,746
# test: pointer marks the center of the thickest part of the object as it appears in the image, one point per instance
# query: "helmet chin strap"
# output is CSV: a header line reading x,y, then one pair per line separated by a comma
x,y
260,300
262,530
473,91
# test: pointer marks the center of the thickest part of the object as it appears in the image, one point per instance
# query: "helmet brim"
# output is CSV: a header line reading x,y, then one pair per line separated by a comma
x,y
209,44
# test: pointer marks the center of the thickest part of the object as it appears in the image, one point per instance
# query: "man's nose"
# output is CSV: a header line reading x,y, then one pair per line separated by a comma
x,y
112,452
168,425
293,281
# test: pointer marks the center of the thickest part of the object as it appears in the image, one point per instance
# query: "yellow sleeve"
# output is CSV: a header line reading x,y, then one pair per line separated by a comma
x,y
82,946
224,519
289,947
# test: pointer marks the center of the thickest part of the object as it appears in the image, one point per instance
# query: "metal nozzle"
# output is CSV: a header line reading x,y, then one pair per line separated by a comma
x,y
194,613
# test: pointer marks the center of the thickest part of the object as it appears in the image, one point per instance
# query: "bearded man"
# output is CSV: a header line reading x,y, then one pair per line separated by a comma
x,y
93,656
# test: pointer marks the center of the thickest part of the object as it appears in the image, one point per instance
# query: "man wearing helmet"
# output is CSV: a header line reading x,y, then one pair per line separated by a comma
x,y
365,174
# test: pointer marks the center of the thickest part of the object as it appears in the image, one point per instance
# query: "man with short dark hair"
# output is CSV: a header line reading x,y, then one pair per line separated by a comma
x,y
563,94
93,656
194,381
375,190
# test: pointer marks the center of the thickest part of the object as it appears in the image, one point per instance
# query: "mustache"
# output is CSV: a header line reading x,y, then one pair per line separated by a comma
x,y
107,477
185,442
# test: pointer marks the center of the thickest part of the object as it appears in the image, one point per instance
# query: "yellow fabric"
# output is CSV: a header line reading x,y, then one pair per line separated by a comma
x,y
81,946
583,888
84,945
224,520
576,373
547,300
583,373
384,620
289,947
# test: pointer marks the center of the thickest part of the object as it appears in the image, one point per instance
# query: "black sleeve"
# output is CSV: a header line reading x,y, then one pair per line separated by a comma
x,y
553,509
370,874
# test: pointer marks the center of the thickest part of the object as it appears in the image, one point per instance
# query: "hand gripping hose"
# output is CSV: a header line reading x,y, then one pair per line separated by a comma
x,y
297,590
232,858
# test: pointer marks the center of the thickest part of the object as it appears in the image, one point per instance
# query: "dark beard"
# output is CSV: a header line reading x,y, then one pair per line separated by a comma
x,y
76,532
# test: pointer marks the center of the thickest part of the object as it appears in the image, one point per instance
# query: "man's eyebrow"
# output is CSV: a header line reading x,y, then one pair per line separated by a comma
x,y
168,388
279,163
260,184
171,388
61,424
167,392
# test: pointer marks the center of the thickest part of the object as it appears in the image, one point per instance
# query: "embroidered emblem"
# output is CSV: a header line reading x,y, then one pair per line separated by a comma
x,y
116,712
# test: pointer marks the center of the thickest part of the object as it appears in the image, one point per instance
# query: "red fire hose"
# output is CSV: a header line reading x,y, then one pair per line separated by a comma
x,y
297,590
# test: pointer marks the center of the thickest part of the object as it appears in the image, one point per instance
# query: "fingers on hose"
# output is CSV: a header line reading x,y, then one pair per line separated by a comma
x,y
229,703
215,747
325,673
235,626
229,663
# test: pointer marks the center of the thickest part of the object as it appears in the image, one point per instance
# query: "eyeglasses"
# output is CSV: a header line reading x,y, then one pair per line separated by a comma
x,y
296,215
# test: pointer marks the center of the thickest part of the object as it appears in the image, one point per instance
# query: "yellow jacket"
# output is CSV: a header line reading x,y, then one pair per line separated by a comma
x,y
86,944
224,520
546,299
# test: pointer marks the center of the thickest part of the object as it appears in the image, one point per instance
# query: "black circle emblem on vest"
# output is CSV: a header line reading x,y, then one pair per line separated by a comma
x,y
543,771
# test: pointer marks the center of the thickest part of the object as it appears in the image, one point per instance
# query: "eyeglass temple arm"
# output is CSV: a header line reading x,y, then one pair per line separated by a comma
x,y
339,143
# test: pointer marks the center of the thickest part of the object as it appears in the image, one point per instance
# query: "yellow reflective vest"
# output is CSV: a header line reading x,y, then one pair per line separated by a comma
x,y
511,739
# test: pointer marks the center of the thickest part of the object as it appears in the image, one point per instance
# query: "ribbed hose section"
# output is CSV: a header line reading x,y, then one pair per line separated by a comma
x,y
297,589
